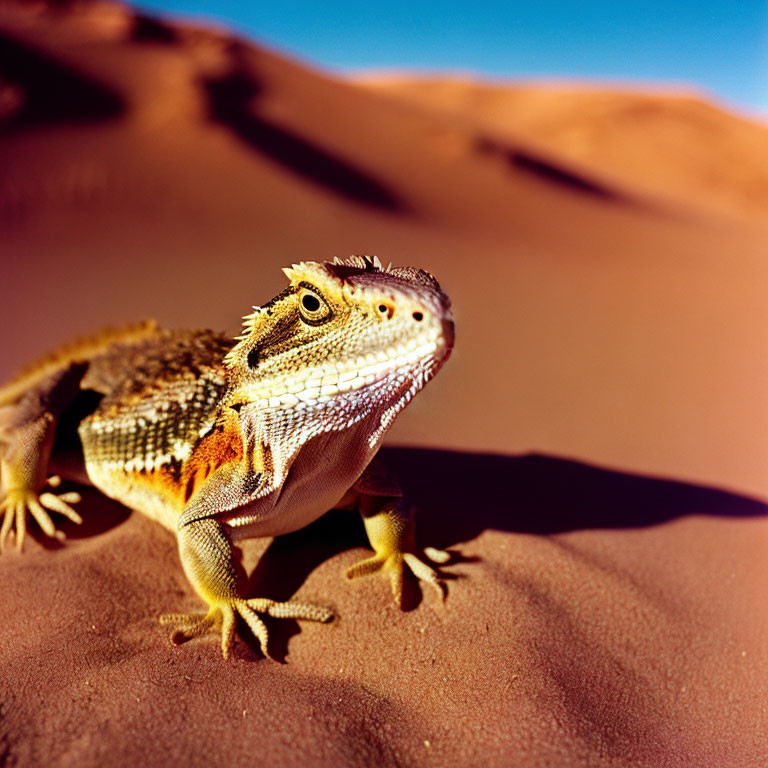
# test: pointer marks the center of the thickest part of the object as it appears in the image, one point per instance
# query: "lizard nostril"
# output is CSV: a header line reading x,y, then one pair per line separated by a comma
x,y
418,316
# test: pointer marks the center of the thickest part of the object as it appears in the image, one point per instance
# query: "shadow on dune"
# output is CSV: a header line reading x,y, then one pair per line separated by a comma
x,y
147,29
231,100
459,495
534,165
51,92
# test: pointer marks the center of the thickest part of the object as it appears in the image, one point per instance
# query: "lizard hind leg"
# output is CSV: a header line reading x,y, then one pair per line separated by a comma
x,y
19,501
27,432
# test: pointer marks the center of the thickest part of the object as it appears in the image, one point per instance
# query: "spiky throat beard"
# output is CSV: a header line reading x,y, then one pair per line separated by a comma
x,y
324,405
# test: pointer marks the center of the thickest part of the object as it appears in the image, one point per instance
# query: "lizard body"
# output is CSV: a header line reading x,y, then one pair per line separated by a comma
x,y
220,440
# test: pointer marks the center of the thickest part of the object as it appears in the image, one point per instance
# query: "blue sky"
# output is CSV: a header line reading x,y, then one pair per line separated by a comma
x,y
721,46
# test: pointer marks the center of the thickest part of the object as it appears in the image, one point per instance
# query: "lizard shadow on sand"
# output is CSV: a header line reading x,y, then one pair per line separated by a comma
x,y
99,513
459,495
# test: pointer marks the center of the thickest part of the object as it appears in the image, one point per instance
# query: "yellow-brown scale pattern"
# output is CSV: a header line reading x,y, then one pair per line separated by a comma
x,y
158,430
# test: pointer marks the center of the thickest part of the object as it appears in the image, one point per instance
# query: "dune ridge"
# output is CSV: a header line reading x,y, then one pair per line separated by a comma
x,y
669,144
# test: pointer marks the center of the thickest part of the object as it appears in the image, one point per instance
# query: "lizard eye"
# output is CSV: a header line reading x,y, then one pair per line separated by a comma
x,y
313,307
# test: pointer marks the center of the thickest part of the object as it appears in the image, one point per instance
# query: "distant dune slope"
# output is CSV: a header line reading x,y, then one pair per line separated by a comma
x,y
675,146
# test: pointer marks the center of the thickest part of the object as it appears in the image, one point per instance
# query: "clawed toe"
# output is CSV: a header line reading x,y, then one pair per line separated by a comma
x,y
439,556
366,567
222,618
189,625
423,572
397,562
19,501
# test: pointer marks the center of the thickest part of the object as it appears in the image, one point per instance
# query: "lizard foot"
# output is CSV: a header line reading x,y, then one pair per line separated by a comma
x,y
221,617
396,564
19,501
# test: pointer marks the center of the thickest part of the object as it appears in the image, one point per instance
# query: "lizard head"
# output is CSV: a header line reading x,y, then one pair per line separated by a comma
x,y
347,337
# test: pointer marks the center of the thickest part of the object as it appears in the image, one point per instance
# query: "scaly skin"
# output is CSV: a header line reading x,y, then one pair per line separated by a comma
x,y
223,440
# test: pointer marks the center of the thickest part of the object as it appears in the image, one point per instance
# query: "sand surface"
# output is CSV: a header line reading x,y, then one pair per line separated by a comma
x,y
594,453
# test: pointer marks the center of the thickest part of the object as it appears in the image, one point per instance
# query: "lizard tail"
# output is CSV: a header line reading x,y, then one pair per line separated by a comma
x,y
80,349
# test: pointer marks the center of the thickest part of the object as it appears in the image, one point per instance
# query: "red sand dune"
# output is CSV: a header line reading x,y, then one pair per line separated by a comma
x,y
673,146
606,312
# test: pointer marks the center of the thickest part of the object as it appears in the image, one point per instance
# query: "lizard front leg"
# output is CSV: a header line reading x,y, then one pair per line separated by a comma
x,y
207,555
389,526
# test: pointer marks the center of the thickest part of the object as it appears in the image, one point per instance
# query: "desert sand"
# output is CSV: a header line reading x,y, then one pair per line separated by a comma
x,y
595,453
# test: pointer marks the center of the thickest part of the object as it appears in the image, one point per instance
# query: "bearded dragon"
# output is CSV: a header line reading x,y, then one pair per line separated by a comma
x,y
222,439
